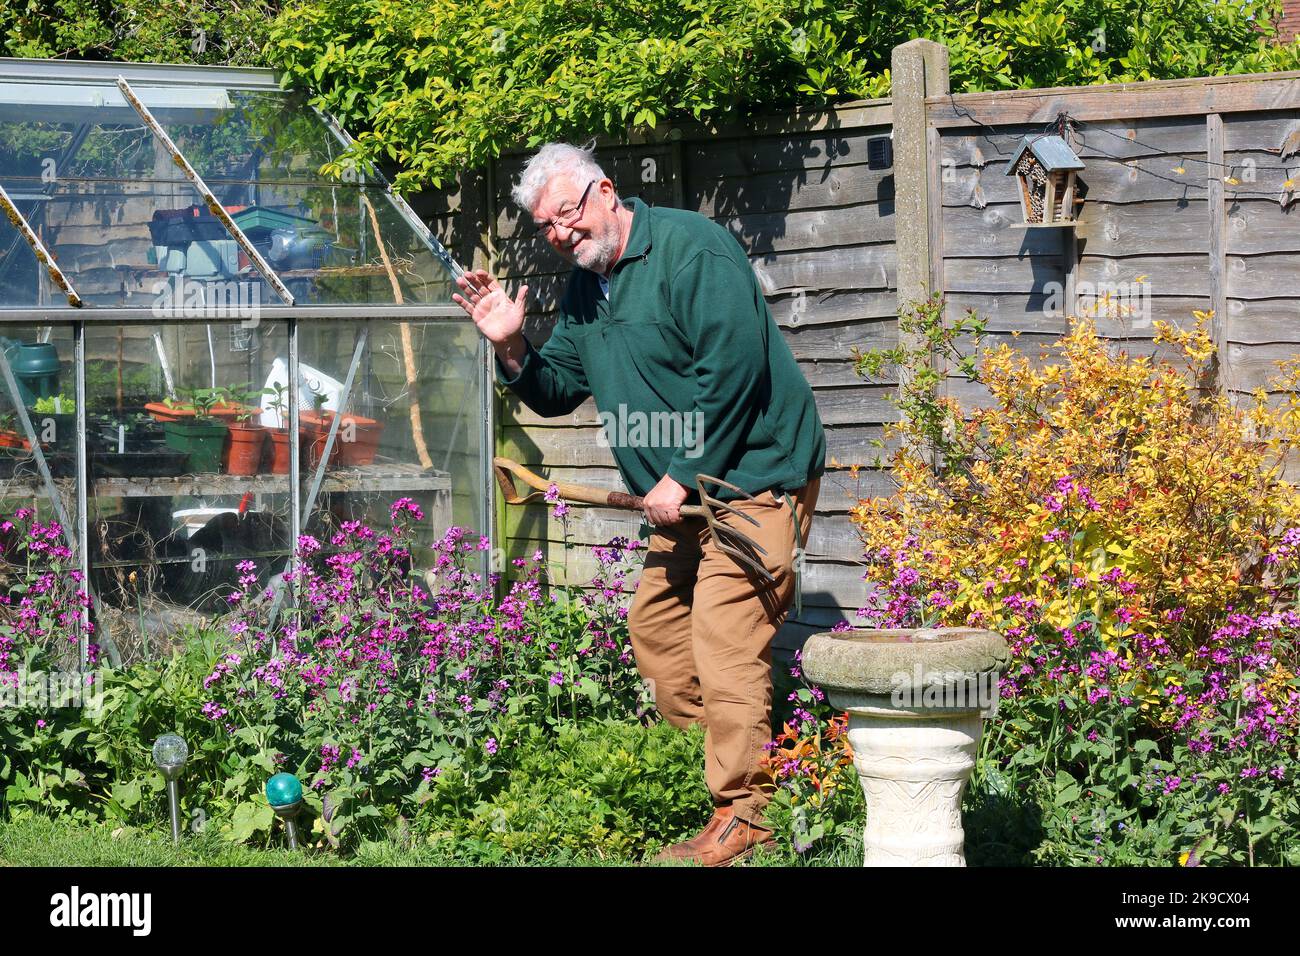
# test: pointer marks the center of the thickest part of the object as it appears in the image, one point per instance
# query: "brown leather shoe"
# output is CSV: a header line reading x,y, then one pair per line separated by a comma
x,y
689,850
737,841
724,841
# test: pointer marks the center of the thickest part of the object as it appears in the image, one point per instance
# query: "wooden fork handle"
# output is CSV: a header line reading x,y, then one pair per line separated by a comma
x,y
569,491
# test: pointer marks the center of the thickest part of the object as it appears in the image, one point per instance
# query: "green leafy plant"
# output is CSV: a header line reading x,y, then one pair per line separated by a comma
x,y
165,31
1135,540
279,402
201,400
599,788
56,405
438,87
246,398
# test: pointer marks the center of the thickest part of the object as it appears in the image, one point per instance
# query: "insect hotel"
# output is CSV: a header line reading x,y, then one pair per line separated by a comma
x,y
209,346
1046,167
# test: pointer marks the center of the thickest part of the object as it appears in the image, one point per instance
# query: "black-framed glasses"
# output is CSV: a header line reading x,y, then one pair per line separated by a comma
x,y
566,219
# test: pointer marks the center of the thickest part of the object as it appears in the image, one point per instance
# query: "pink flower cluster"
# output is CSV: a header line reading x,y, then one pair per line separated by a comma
x,y
372,652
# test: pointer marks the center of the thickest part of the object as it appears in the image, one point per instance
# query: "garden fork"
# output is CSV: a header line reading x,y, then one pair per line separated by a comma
x,y
728,539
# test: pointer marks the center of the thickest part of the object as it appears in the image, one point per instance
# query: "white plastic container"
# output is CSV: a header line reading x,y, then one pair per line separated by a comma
x,y
311,381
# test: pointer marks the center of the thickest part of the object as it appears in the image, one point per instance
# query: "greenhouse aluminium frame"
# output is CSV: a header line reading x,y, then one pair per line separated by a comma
x,y
80,314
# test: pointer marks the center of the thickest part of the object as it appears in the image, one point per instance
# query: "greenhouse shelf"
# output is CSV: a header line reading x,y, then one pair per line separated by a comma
x,y
364,478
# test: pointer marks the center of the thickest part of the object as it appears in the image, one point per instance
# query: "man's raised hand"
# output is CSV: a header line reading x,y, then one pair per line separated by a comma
x,y
499,317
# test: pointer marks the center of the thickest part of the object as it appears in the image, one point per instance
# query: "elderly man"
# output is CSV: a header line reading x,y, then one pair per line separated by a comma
x,y
663,316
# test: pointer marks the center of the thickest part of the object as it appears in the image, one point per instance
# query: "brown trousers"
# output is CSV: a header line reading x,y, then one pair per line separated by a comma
x,y
702,626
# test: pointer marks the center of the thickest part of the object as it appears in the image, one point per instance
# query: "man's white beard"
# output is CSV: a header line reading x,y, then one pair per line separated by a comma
x,y
595,253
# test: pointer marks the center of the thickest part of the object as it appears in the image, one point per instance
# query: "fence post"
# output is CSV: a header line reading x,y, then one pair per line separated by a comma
x,y
1215,171
919,68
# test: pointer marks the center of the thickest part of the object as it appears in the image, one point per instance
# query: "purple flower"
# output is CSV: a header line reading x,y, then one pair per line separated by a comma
x,y
214,711
405,506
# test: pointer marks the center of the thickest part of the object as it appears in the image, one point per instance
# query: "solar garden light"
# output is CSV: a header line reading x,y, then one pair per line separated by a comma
x,y
169,755
284,794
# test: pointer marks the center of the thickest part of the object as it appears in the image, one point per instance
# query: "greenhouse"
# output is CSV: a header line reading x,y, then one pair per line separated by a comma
x,y
210,346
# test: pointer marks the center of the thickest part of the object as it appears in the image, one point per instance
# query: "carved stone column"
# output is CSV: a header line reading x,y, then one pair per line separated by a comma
x,y
917,700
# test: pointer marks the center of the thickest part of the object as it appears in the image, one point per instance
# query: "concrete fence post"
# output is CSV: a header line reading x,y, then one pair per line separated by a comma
x,y
919,68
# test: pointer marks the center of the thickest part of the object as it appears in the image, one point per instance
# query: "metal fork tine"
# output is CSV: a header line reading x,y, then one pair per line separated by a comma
x,y
747,541
709,479
717,529
746,560
715,503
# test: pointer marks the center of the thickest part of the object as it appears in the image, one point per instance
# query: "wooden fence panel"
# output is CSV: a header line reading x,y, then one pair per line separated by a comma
x,y
1164,231
1262,244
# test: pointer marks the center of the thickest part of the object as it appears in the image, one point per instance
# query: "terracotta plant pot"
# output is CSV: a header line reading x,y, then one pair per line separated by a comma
x,y
364,434
14,440
279,451
244,448
231,413
178,413
315,429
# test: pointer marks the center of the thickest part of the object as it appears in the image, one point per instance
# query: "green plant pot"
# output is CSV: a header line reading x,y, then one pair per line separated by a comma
x,y
201,440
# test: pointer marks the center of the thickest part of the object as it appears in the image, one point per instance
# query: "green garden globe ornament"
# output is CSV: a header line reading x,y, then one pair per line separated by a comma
x,y
169,755
284,794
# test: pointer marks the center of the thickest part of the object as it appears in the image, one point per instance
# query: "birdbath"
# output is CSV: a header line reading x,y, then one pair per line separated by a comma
x,y
917,700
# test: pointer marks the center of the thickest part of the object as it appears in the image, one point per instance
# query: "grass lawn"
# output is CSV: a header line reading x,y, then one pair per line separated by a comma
x,y
47,842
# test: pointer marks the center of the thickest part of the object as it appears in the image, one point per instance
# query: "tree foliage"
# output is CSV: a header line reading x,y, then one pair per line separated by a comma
x,y
438,85
227,32
441,85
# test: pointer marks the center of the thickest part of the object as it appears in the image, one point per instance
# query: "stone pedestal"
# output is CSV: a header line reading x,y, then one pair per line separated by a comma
x,y
917,700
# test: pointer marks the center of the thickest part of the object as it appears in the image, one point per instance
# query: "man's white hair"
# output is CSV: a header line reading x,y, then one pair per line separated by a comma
x,y
555,159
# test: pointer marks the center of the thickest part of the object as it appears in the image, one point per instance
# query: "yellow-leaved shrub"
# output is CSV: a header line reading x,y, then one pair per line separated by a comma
x,y
1095,485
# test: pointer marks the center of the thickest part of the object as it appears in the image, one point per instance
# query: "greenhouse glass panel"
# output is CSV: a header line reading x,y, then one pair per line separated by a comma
x,y
158,379
409,427
24,282
38,457
123,222
324,242
177,498
256,137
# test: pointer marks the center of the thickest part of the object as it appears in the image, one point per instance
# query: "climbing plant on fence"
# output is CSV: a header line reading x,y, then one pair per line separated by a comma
x,y
439,86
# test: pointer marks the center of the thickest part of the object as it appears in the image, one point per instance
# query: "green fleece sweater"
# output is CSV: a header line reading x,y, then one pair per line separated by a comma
x,y
687,367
